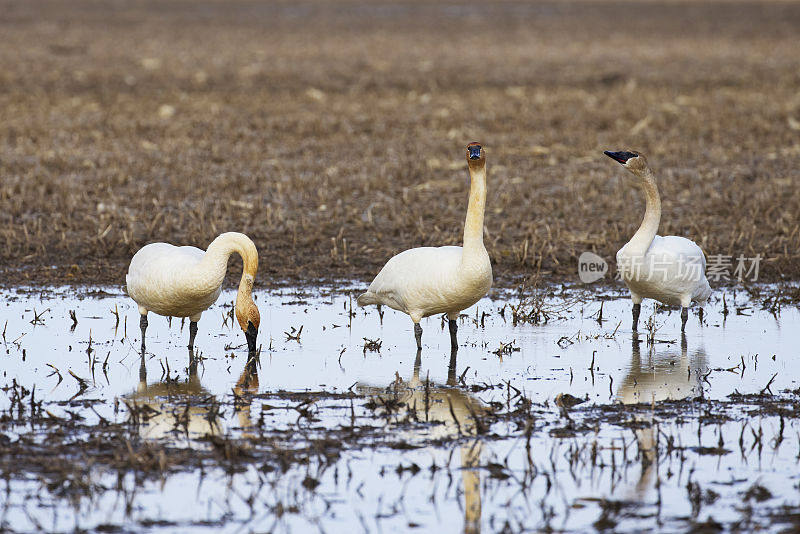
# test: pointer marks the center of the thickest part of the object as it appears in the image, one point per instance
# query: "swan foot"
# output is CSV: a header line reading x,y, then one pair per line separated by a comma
x,y
143,326
192,333
418,335
453,338
637,308
684,318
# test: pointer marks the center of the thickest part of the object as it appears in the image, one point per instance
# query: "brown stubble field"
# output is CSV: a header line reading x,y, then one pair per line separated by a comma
x,y
333,132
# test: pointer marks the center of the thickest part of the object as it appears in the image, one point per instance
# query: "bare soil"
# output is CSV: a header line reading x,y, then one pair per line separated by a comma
x,y
333,133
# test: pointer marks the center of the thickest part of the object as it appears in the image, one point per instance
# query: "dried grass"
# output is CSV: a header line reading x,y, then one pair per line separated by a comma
x,y
332,133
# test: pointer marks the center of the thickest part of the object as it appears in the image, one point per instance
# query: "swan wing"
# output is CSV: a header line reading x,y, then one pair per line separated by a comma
x,y
672,271
158,280
160,262
675,248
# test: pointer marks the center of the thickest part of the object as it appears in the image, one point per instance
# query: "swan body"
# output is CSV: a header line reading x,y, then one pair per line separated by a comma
x,y
448,286
431,280
156,281
185,281
666,272
668,269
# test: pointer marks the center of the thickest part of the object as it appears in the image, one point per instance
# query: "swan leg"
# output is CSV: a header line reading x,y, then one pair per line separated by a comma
x,y
143,326
684,318
637,308
418,335
192,333
142,369
453,337
700,313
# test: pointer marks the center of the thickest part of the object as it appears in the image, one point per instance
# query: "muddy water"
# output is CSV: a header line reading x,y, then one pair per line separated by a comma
x,y
454,475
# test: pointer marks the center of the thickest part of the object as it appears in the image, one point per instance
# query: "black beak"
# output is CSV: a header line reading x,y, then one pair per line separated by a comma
x,y
475,152
621,157
251,335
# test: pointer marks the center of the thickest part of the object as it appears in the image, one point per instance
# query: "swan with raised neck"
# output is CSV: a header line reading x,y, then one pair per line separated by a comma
x,y
426,281
669,269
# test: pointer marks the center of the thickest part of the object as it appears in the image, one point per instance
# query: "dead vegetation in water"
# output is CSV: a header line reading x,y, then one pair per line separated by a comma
x,y
332,151
604,442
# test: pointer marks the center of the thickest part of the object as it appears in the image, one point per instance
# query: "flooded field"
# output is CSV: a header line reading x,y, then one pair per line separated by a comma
x,y
341,424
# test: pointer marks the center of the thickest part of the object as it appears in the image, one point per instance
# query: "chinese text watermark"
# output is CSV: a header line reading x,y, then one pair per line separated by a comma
x,y
719,267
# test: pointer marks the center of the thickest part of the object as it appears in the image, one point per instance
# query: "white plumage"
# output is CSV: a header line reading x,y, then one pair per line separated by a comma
x,y
431,280
165,279
672,271
185,281
668,269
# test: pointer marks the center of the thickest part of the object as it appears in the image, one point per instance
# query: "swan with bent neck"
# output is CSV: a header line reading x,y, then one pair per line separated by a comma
x,y
669,269
186,281
430,280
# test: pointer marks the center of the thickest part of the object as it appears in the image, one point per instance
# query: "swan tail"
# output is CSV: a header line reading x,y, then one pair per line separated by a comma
x,y
367,298
704,293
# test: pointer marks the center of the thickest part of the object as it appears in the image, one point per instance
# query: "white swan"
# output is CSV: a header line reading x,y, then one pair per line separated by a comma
x,y
429,280
668,269
185,281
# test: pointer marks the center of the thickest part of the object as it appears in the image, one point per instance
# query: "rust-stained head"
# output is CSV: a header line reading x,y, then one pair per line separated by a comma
x,y
247,312
476,156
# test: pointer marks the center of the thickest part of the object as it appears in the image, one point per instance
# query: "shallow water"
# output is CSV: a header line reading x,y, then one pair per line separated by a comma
x,y
484,479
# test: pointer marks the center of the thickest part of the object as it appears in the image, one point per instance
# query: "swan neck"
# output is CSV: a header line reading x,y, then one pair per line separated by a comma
x,y
215,263
218,252
643,238
244,298
473,226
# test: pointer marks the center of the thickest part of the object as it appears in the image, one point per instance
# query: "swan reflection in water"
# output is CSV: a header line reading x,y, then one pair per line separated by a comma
x,y
454,414
660,376
185,410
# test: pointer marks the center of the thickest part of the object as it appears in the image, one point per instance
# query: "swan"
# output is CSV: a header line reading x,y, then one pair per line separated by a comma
x,y
668,269
185,281
429,280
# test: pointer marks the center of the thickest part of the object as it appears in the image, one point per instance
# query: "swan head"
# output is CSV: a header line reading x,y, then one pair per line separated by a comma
x,y
249,321
247,312
633,161
476,156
